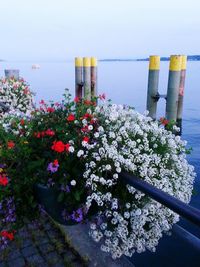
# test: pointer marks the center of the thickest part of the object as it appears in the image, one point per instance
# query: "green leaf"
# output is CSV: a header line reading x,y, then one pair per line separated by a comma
x,y
61,197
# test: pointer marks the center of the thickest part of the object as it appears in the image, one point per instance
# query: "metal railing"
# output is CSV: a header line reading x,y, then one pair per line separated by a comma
x,y
188,212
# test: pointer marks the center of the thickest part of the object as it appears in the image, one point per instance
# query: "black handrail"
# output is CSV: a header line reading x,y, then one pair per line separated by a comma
x,y
190,213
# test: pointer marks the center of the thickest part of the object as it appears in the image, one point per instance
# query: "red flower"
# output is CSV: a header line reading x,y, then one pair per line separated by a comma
x,y
87,116
58,146
71,117
84,129
37,134
88,102
76,99
67,146
22,122
86,139
55,162
10,144
3,180
50,132
164,121
42,102
102,97
50,110
8,235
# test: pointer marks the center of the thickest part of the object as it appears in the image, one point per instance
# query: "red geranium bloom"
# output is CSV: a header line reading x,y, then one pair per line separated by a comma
x,y
10,144
50,132
8,235
42,102
22,122
86,139
76,99
88,102
71,117
58,146
3,180
87,116
67,146
84,129
102,97
50,109
164,121
55,162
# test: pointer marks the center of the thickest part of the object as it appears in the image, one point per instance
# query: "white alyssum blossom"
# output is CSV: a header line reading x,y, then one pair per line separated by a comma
x,y
73,182
129,141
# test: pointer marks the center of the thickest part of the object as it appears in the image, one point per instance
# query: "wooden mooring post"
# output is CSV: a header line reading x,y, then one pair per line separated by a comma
x,y
93,77
181,90
173,87
153,80
78,76
175,90
86,77
12,73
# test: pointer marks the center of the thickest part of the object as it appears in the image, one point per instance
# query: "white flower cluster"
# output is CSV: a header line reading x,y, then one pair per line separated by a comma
x,y
126,140
16,95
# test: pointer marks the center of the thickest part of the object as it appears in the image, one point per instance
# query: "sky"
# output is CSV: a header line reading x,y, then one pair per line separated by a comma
x,y
63,29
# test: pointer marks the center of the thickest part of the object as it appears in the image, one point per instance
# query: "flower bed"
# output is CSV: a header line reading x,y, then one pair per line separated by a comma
x,y
16,95
80,149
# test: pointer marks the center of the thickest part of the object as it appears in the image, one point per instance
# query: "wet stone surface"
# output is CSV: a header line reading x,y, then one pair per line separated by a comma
x,y
40,244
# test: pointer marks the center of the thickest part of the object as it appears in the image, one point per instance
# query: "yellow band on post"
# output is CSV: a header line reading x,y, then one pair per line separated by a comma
x,y
86,62
93,62
78,61
175,63
184,62
154,62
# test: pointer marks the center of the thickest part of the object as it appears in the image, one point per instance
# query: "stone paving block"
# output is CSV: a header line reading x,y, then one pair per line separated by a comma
x,y
29,251
46,248
14,254
52,234
53,258
60,264
35,259
43,240
3,264
69,256
48,226
26,243
17,263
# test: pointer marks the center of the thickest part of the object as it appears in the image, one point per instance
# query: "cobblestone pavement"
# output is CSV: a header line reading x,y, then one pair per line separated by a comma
x,y
40,244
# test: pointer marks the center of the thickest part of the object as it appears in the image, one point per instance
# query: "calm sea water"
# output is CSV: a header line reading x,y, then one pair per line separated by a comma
x,y
126,83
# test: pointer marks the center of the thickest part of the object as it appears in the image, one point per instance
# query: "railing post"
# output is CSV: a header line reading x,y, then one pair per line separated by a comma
x,y
87,77
93,77
181,90
12,74
173,87
153,79
78,77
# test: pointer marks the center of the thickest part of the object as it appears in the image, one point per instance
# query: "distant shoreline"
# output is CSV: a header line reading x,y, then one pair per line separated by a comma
x,y
189,58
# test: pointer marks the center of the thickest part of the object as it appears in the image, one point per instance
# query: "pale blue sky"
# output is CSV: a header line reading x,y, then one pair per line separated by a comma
x,y
63,29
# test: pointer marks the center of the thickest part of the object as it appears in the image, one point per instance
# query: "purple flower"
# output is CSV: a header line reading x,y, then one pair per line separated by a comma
x,y
50,182
65,215
7,210
77,215
65,188
52,167
3,243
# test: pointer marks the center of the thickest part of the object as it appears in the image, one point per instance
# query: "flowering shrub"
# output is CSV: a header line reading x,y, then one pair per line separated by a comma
x,y
80,149
7,209
129,220
16,95
49,148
